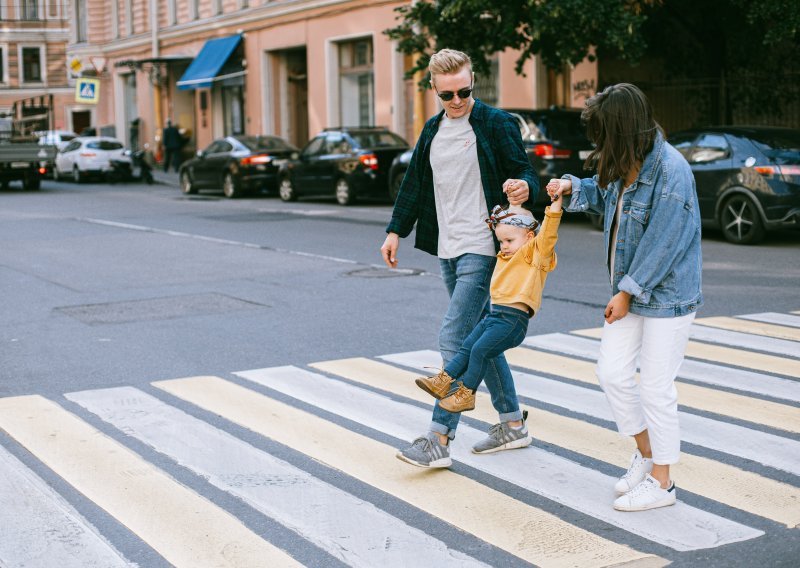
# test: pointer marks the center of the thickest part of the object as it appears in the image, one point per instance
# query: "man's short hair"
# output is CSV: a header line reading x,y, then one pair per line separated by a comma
x,y
448,61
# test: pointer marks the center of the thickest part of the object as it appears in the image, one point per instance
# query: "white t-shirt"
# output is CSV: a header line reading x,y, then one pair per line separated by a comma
x,y
460,203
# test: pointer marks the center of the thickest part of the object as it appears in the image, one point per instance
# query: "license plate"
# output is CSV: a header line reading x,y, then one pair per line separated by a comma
x,y
583,154
20,165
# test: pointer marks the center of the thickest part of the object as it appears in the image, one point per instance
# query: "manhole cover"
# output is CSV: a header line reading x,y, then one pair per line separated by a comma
x,y
157,308
378,272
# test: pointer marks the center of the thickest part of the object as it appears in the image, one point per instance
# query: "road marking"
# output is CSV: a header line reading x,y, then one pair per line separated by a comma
x,y
681,527
772,345
185,528
716,480
773,414
709,373
774,317
41,528
729,356
754,327
524,531
348,528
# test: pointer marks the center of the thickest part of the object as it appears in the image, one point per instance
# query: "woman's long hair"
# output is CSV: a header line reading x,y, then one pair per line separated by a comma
x,y
619,122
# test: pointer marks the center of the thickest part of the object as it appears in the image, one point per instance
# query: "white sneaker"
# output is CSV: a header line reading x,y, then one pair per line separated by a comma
x,y
636,473
647,495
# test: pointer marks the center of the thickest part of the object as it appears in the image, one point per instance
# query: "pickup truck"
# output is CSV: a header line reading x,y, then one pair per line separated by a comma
x,y
21,157
25,162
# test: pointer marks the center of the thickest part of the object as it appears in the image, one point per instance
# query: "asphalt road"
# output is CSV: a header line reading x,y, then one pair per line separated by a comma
x,y
120,286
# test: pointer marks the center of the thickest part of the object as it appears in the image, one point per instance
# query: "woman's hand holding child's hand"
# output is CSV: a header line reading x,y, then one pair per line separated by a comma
x,y
558,187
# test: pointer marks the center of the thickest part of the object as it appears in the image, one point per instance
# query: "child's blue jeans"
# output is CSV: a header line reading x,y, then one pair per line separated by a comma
x,y
499,331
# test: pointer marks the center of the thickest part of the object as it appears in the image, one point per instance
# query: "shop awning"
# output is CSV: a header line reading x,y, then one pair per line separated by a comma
x,y
208,66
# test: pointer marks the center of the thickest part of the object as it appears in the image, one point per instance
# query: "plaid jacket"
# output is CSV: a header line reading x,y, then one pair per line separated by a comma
x,y
501,156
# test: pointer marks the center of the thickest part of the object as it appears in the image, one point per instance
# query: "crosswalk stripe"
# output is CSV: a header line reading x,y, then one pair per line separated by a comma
x,y
774,317
724,483
780,416
709,373
353,530
681,527
747,326
524,531
729,356
186,529
28,506
781,347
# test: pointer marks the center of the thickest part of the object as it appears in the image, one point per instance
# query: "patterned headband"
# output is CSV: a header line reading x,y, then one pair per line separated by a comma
x,y
500,216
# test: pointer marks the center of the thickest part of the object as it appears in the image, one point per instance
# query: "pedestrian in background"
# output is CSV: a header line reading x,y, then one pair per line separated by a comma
x,y
173,144
646,191
468,156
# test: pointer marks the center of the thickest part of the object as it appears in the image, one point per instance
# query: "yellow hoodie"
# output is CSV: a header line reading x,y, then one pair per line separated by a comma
x,y
520,278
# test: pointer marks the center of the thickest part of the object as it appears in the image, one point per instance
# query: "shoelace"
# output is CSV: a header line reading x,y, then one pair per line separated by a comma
x,y
630,468
422,443
644,486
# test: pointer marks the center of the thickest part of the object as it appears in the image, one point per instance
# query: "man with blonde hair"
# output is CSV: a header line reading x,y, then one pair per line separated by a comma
x,y
468,158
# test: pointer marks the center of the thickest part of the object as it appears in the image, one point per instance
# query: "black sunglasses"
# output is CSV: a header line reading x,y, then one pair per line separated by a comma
x,y
448,95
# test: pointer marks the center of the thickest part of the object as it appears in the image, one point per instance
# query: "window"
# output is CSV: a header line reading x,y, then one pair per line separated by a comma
x,y
709,148
80,21
683,143
356,83
32,65
315,147
3,64
29,9
486,83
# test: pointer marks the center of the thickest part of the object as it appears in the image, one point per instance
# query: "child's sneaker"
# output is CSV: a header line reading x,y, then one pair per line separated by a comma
x,y
426,451
438,386
645,496
504,437
461,399
638,470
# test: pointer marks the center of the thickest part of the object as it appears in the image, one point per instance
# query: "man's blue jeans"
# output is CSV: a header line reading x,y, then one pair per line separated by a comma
x,y
467,279
499,331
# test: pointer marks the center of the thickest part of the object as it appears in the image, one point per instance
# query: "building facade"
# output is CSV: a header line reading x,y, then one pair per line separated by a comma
x,y
33,43
290,67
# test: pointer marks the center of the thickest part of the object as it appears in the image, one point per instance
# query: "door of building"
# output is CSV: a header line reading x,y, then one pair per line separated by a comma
x,y
297,96
81,119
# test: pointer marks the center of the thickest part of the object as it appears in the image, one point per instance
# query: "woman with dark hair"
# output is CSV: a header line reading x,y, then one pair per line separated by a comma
x,y
646,192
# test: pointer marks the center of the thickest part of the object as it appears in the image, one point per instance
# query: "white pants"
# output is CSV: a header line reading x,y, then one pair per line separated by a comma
x,y
652,403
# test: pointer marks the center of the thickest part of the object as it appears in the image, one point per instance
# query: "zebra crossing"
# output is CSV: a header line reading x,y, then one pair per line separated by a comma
x,y
310,450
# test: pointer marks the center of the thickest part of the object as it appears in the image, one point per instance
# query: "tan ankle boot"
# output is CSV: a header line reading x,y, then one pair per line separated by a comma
x,y
461,400
437,386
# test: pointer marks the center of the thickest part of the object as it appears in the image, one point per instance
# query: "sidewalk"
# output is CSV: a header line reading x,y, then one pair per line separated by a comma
x,y
166,178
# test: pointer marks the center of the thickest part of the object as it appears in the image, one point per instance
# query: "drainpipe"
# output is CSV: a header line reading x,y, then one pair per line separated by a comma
x,y
157,74
419,98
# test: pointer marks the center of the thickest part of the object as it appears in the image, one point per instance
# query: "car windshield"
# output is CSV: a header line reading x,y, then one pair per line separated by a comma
x,y
780,147
561,127
104,145
378,139
264,143
66,137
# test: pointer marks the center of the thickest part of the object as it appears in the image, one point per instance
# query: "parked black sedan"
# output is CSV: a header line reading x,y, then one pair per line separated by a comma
x,y
748,178
237,164
346,162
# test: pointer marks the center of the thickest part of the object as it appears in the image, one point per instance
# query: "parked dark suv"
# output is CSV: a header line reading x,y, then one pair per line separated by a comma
x,y
748,178
554,139
344,162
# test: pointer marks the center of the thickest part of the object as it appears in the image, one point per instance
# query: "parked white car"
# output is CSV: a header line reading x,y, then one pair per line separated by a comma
x,y
87,156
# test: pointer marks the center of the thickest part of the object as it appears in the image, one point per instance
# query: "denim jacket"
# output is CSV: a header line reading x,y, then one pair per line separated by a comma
x,y
657,256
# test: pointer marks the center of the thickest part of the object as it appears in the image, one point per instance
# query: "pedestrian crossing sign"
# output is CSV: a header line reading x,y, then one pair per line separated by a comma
x,y
87,91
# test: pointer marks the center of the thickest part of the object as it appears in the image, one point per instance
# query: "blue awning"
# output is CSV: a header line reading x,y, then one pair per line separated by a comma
x,y
206,67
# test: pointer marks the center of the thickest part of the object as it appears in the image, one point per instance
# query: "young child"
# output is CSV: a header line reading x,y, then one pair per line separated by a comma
x,y
526,255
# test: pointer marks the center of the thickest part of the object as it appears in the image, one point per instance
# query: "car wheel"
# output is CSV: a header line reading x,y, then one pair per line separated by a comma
x,y
229,187
596,221
187,187
31,182
77,176
344,192
286,190
740,221
394,186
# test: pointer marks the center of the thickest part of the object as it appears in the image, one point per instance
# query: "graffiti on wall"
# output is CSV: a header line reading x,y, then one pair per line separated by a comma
x,y
582,90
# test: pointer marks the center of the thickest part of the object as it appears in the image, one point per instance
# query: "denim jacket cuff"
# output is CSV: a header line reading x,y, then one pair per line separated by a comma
x,y
575,201
629,285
